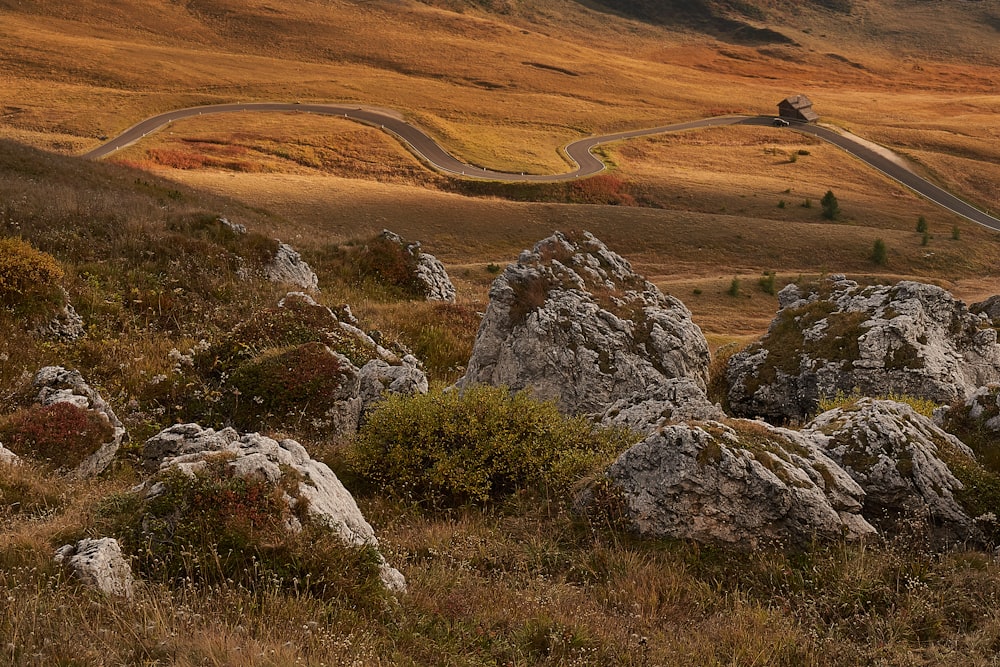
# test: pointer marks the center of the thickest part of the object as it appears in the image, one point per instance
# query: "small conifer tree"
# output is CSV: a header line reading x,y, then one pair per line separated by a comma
x,y
880,255
921,224
831,208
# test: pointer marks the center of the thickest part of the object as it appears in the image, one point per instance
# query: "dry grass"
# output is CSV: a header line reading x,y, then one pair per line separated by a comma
x,y
525,583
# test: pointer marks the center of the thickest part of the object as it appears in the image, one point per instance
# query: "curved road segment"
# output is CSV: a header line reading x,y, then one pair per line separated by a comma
x,y
579,152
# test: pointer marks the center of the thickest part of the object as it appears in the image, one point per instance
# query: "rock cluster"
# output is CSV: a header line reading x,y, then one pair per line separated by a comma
x,y
66,326
574,323
430,272
740,483
905,463
873,465
361,387
188,447
904,339
55,384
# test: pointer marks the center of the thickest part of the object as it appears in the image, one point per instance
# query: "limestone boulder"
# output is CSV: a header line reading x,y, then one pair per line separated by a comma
x,y
739,483
429,271
573,322
99,564
837,336
910,469
975,421
378,378
670,401
189,447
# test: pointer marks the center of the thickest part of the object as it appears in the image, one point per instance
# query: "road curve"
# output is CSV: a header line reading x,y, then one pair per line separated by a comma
x,y
579,152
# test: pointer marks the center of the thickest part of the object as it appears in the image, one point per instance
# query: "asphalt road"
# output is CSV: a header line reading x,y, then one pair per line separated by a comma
x,y
579,152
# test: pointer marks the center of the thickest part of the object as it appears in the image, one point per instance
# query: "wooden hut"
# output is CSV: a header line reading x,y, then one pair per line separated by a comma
x,y
797,107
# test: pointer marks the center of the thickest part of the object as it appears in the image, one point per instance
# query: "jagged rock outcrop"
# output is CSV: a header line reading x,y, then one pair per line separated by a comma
x,y
574,323
740,483
66,326
673,400
99,564
430,272
909,338
989,308
340,327
906,465
975,421
287,266
55,384
188,447
378,378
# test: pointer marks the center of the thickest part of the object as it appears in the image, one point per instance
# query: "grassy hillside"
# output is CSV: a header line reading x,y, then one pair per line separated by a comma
x,y
136,244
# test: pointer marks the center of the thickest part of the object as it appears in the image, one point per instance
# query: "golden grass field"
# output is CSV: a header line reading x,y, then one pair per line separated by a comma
x,y
505,90
501,83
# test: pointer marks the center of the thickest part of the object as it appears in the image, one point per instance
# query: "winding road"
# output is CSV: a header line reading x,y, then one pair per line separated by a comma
x,y
579,152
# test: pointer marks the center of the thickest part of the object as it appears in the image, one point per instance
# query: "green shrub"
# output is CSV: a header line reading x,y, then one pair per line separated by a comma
x,y
766,282
925,239
61,434
493,268
285,387
831,208
921,224
214,527
955,233
452,448
880,254
734,287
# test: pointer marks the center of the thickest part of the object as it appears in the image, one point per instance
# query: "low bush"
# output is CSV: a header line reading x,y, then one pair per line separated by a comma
x,y
29,278
61,434
479,445
285,387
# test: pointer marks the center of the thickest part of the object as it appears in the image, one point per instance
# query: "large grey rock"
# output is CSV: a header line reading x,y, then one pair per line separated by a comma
x,y
904,462
55,384
674,400
188,447
287,266
574,323
909,338
99,564
740,483
429,271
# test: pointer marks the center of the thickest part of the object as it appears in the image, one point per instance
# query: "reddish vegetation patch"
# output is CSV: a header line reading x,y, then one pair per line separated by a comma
x,y
602,189
61,434
180,159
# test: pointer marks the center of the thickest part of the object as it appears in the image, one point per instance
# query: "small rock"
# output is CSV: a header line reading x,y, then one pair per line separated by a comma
x,y
287,266
99,564
673,400
903,461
